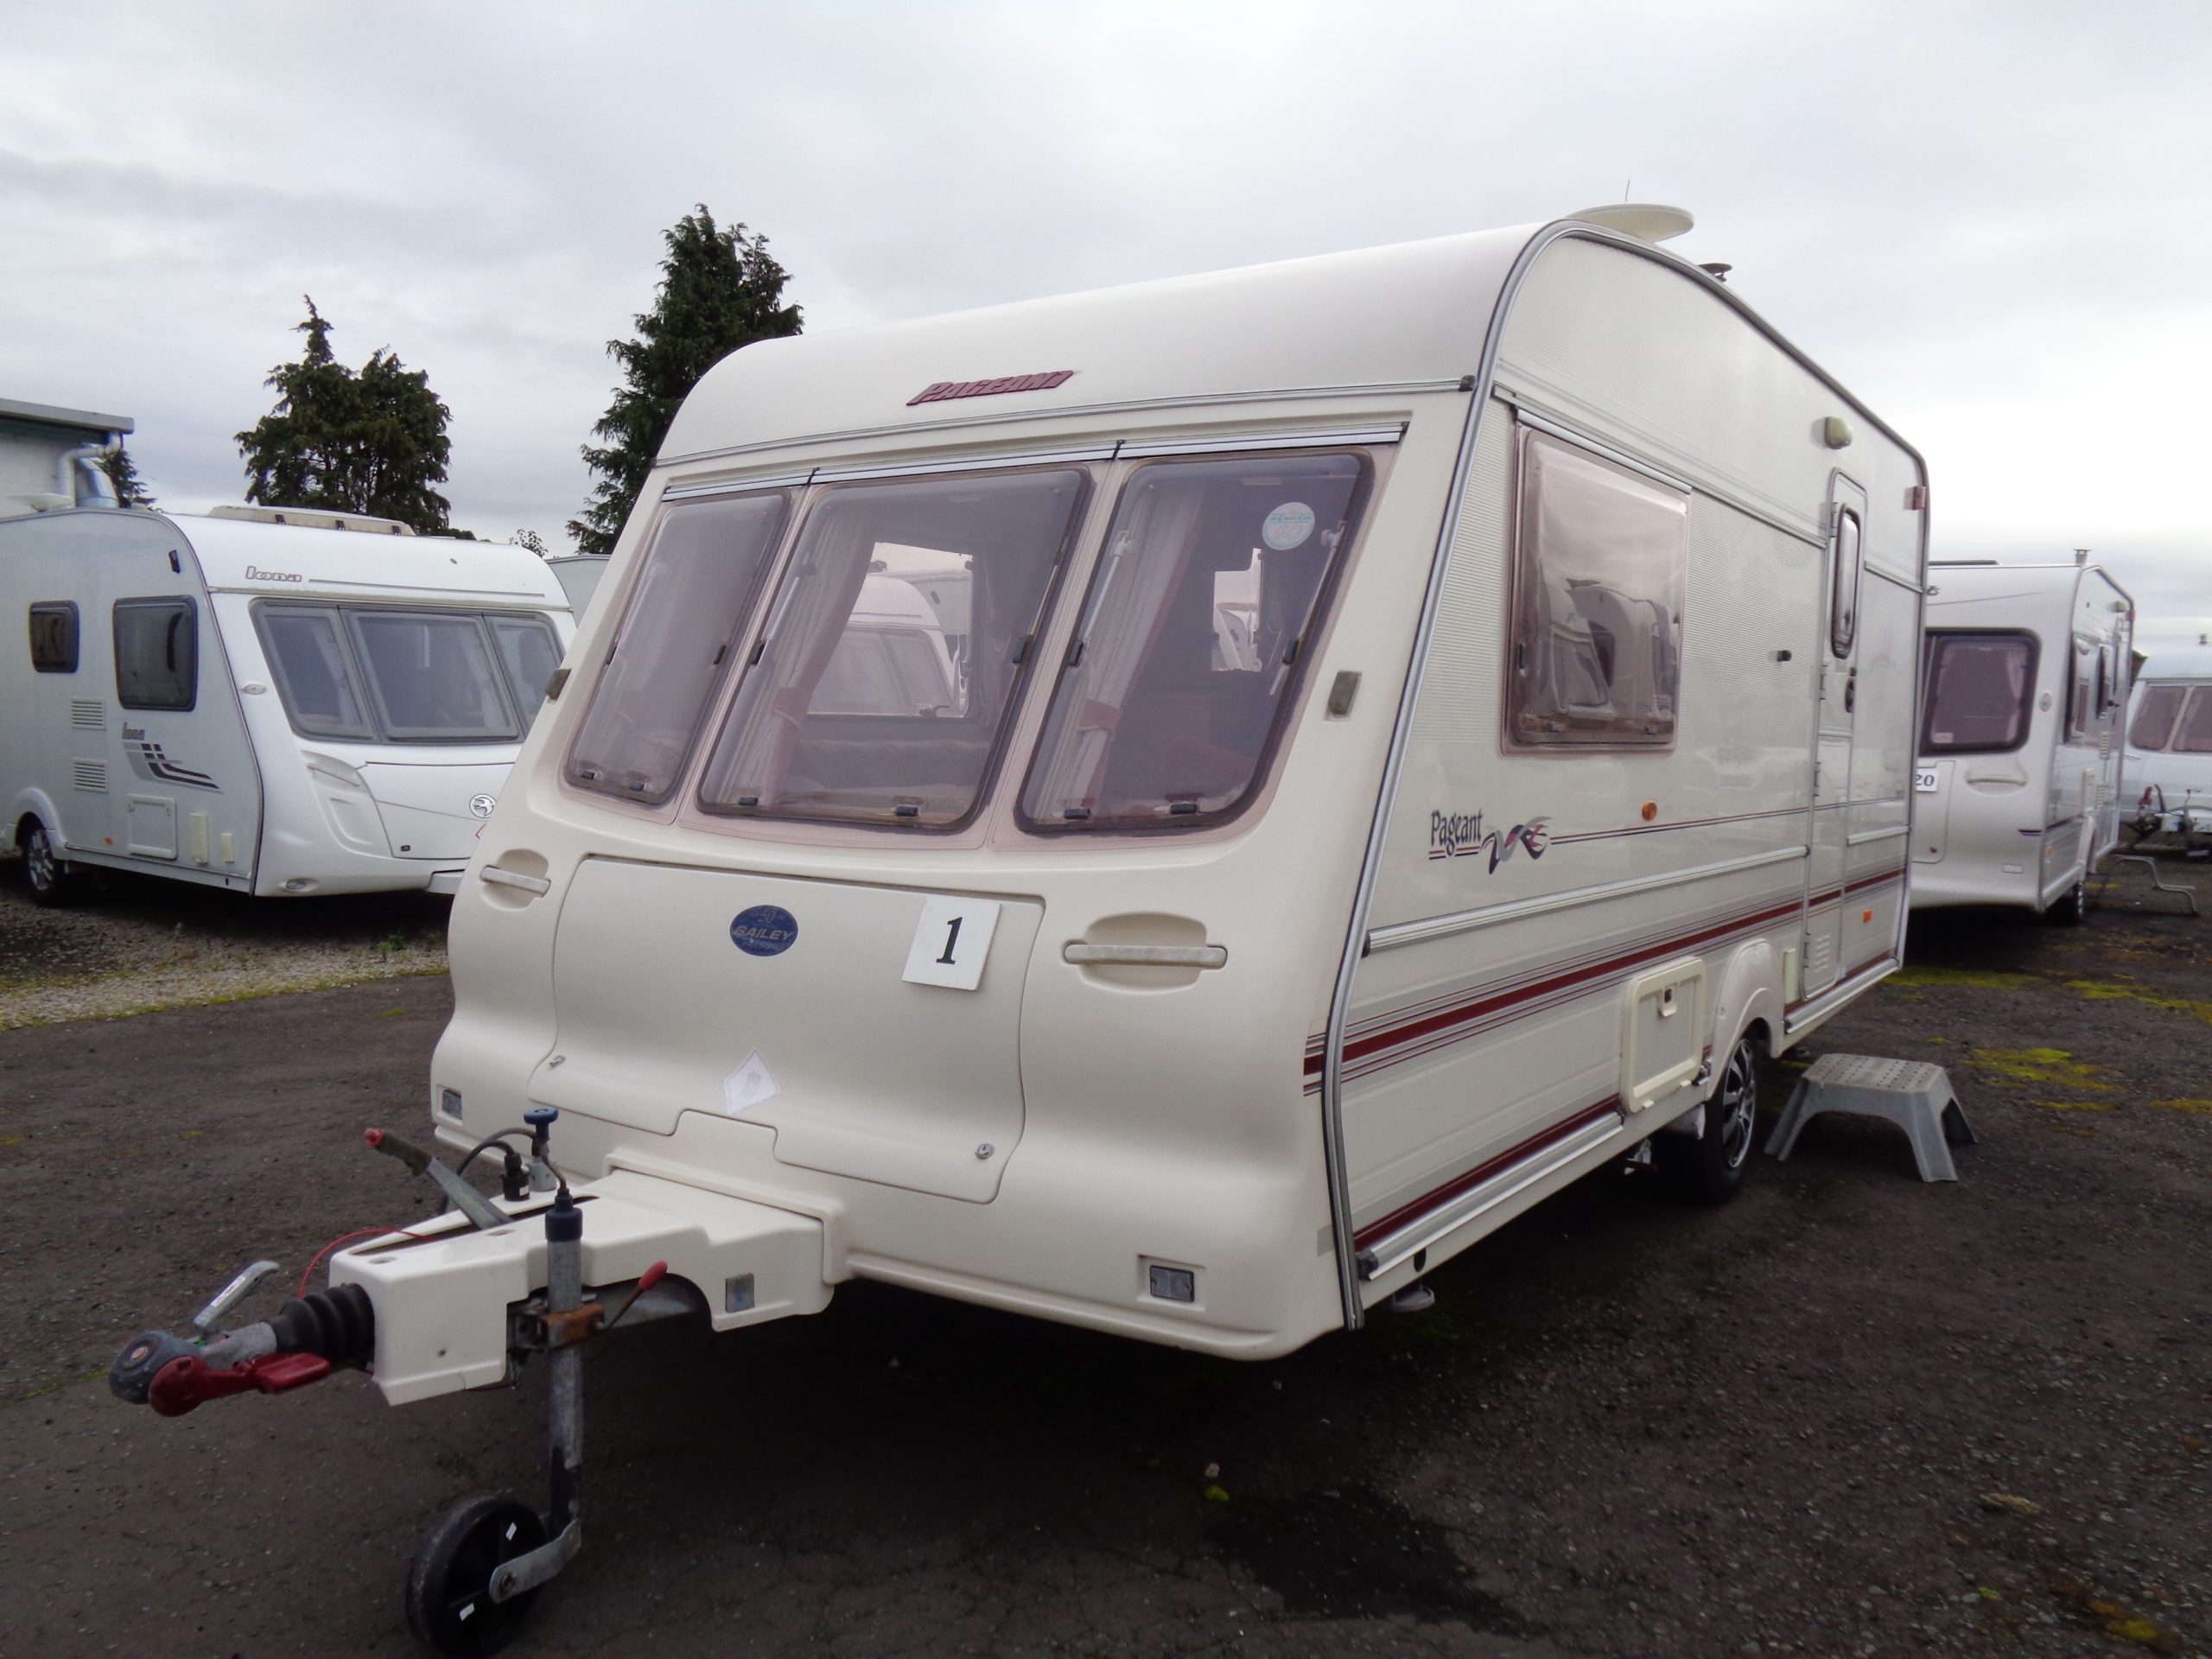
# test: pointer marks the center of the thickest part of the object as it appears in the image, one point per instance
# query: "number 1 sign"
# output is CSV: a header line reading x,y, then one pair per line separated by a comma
x,y
951,941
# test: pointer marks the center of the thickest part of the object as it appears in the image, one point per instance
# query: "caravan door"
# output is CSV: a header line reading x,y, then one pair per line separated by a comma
x,y
1830,833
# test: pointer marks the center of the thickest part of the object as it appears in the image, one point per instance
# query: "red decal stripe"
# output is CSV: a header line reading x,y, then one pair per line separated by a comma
x,y
1474,1178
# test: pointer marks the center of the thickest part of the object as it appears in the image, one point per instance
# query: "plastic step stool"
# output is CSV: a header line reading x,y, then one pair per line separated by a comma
x,y
1912,1094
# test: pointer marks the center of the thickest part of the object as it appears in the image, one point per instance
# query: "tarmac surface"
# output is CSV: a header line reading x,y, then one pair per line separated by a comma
x,y
1845,1415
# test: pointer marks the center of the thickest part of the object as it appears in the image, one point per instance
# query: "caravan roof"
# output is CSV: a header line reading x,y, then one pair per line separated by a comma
x,y
296,560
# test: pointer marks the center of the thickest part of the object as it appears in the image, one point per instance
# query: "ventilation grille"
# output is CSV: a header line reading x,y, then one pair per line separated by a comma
x,y
88,714
89,774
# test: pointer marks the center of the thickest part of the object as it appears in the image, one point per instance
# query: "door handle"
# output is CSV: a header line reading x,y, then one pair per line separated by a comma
x,y
1851,690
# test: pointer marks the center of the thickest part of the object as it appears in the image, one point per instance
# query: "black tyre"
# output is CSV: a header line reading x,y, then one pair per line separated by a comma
x,y
449,1581
1708,1168
2073,909
51,880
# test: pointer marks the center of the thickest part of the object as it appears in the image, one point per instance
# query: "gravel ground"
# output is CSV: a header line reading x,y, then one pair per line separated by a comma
x,y
138,944
1847,1415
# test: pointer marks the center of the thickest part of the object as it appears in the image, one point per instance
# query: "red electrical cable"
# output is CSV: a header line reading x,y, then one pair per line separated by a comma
x,y
359,1232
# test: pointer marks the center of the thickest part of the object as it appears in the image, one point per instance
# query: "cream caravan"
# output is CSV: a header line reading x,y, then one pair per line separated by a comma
x,y
2170,745
1427,719
275,708
2016,795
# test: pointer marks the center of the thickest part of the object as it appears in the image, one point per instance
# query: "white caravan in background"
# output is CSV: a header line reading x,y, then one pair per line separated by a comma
x,y
1203,986
262,705
2016,797
2170,743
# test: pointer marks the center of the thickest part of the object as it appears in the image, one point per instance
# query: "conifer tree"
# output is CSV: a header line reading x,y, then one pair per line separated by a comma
x,y
372,442
719,290
129,489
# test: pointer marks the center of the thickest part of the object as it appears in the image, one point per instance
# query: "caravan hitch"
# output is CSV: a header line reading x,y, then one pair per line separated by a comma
x,y
308,1336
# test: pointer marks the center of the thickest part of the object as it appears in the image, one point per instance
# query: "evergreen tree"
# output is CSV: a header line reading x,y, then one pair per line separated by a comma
x,y
533,541
372,442
130,490
719,290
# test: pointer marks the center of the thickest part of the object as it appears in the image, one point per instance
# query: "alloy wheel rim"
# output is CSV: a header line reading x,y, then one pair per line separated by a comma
x,y
39,858
1738,1107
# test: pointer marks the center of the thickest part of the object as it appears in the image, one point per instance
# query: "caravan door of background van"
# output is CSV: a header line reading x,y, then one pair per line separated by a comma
x,y
1829,835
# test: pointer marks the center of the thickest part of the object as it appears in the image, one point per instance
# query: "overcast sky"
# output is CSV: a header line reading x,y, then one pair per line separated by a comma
x,y
1993,222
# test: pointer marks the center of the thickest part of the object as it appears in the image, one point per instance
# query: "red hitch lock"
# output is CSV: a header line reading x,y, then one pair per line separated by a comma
x,y
183,1384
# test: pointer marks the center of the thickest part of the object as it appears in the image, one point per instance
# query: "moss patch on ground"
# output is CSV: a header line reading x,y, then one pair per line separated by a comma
x,y
2040,1065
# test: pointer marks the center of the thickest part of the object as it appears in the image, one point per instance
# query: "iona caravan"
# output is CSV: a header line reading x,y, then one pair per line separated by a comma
x,y
1400,730
2016,794
261,699
2169,744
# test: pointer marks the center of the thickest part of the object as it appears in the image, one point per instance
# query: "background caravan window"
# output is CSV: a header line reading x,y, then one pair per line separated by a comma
x,y
701,577
157,653
895,647
1191,640
2193,735
315,673
54,637
1979,688
2154,716
1600,569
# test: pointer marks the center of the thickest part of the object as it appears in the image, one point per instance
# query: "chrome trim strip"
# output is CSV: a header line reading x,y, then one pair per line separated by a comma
x,y
1866,836
1066,412
969,464
1832,999
1418,1235
499,878
1278,440
736,485
1146,955
1560,426
1466,921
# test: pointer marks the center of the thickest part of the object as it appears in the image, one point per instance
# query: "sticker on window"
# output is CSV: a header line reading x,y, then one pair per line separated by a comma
x,y
1289,525
748,1086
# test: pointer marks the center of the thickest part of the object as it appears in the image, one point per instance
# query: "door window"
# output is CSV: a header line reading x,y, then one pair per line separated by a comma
x,y
157,653
1843,600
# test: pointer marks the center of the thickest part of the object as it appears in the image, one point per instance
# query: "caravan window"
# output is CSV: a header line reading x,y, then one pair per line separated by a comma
x,y
1192,639
2082,692
1843,596
1979,689
894,649
157,653
695,592
2194,733
313,672
431,675
1600,561
380,674
530,654
2153,725
54,637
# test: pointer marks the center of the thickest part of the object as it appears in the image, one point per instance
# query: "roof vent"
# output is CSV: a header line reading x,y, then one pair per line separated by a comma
x,y
1648,221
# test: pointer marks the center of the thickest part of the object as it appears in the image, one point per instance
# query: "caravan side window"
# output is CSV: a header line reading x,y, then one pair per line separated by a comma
x,y
2082,698
54,637
157,653
2194,734
1980,686
1600,563
2154,716
701,577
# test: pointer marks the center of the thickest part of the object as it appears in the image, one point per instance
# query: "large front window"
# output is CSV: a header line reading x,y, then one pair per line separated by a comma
x,y
894,647
1979,689
1200,615
380,674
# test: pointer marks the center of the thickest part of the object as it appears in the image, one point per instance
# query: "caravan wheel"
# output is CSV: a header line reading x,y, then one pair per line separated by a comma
x,y
51,880
2072,910
1710,1167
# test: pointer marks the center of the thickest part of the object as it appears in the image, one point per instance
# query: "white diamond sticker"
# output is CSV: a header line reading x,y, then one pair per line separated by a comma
x,y
748,1086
